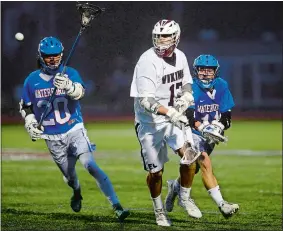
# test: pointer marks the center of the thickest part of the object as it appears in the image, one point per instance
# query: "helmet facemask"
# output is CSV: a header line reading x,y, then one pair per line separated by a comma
x,y
52,61
165,44
206,75
165,37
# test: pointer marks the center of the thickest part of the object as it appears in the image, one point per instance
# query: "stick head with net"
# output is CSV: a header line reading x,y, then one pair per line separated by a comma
x,y
214,134
88,12
190,154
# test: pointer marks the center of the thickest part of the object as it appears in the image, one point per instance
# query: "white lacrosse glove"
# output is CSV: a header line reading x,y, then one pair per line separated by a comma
x,y
213,132
31,126
203,125
183,102
176,117
218,124
62,82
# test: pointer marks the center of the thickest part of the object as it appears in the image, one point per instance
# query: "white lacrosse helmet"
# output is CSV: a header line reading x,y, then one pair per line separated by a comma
x,y
165,29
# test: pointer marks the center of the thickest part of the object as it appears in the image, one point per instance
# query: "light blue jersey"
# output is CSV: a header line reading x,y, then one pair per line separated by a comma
x,y
64,112
210,105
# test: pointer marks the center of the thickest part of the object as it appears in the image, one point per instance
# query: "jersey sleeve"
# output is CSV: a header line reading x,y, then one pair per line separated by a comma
x,y
227,101
26,96
146,79
187,75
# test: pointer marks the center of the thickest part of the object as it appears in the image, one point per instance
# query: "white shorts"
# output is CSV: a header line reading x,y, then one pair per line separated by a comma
x,y
153,139
71,145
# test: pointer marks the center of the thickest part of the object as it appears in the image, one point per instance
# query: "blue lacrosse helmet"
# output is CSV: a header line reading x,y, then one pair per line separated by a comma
x,y
47,47
206,61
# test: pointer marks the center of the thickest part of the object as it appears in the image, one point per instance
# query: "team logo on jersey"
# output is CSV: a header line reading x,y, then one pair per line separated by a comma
x,y
47,92
208,108
172,77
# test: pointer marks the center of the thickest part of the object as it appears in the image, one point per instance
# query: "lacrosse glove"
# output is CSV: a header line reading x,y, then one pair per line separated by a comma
x,y
176,117
31,126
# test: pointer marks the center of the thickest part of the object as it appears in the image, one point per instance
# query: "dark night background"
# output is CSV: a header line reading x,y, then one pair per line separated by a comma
x,y
246,38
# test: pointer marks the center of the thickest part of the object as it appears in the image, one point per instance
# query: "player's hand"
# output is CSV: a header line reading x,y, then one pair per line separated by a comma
x,y
31,126
176,117
213,132
205,128
180,105
183,102
218,124
62,82
203,125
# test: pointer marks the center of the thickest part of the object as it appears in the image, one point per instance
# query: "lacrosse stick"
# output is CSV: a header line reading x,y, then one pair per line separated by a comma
x,y
213,134
88,12
190,153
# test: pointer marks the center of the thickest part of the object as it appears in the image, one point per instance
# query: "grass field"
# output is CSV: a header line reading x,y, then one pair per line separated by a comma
x,y
249,170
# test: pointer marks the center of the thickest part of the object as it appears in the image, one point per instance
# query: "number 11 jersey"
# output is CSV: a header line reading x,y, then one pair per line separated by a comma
x,y
154,77
64,113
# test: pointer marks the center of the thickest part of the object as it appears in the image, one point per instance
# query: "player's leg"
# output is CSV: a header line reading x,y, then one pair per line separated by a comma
x,y
174,185
154,156
81,147
210,183
207,176
66,164
104,183
182,185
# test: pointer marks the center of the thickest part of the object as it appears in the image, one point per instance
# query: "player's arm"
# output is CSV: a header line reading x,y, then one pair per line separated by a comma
x,y
151,105
27,114
225,107
146,87
225,119
185,98
190,114
74,87
187,79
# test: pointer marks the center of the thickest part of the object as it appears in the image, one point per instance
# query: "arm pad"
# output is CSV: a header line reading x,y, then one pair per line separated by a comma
x,y
76,92
150,104
187,87
225,119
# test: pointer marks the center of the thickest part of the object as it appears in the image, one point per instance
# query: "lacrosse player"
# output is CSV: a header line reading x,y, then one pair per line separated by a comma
x,y
161,74
210,117
63,128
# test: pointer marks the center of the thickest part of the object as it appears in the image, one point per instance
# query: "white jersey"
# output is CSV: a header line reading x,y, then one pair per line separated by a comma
x,y
153,77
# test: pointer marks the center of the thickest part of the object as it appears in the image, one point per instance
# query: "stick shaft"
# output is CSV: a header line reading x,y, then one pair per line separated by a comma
x,y
184,132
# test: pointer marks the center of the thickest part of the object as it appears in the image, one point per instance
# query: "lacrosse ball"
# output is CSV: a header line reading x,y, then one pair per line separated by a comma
x,y
19,36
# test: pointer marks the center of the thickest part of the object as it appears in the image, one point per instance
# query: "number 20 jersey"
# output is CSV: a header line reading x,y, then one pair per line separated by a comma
x,y
64,112
153,77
